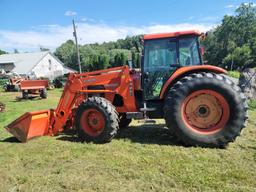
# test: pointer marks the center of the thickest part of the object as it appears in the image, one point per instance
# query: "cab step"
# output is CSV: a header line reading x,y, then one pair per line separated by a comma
x,y
141,116
147,121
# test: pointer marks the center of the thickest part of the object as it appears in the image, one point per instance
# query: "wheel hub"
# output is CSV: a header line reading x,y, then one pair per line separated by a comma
x,y
205,111
92,122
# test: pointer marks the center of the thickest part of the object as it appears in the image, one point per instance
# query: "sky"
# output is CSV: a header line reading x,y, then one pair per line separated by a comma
x,y
27,25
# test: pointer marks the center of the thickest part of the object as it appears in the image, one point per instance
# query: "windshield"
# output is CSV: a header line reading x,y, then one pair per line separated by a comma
x,y
163,53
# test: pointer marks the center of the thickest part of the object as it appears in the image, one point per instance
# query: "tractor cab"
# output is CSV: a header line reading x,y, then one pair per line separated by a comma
x,y
163,55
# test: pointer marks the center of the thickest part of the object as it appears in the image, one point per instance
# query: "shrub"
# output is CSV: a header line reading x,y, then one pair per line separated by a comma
x,y
234,74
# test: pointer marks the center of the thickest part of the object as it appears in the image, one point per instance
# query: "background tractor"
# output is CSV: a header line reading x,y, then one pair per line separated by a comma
x,y
198,102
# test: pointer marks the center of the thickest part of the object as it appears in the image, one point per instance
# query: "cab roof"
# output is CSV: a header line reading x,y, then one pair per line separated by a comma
x,y
170,35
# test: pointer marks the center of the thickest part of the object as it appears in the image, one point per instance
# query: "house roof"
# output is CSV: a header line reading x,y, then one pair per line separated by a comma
x,y
23,62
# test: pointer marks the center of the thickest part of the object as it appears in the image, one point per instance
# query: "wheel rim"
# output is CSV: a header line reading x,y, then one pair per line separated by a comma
x,y
92,122
205,111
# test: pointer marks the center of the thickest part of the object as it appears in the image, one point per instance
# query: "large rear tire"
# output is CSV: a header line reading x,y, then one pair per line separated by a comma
x,y
96,120
206,109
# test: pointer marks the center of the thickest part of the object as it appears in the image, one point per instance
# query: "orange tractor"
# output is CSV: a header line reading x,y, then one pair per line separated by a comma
x,y
197,101
34,87
27,86
13,84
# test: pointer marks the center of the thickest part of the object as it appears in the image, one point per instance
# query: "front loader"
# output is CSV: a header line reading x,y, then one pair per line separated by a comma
x,y
199,102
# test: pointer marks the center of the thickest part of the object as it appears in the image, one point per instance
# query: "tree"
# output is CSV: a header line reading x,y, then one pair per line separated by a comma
x,y
100,56
241,56
104,61
2,52
89,58
135,58
233,43
118,57
67,54
44,49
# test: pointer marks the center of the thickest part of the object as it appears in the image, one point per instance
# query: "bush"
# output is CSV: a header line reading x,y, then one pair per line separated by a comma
x,y
252,104
234,74
3,82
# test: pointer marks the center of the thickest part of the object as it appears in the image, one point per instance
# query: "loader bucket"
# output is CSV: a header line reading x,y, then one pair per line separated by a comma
x,y
29,125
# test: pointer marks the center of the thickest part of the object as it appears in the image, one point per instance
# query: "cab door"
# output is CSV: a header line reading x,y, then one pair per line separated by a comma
x,y
160,61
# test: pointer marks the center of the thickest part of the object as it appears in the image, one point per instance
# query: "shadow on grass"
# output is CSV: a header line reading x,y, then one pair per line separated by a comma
x,y
68,135
30,98
149,134
10,140
144,134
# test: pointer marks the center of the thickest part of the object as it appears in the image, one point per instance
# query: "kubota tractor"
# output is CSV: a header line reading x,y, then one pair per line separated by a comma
x,y
197,101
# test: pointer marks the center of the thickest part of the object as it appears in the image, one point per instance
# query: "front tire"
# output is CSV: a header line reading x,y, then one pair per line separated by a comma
x,y
206,109
96,120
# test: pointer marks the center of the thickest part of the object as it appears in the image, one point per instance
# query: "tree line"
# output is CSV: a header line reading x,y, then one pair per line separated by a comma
x,y
100,56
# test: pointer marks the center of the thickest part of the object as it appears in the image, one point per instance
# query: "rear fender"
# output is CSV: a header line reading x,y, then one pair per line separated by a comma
x,y
184,71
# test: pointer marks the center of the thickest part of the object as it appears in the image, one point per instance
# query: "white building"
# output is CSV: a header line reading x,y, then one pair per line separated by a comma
x,y
34,65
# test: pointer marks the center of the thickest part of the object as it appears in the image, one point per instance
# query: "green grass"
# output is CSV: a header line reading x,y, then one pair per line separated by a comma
x,y
140,158
234,74
252,104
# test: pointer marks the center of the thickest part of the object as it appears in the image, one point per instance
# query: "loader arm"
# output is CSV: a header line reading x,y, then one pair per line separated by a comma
x,y
76,90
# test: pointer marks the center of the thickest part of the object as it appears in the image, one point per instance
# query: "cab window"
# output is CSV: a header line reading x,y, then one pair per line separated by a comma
x,y
188,52
160,54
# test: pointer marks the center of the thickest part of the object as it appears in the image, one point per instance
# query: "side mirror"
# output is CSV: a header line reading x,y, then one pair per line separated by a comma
x,y
203,35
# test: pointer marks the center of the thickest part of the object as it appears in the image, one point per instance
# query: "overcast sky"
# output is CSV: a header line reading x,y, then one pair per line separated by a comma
x,y
28,25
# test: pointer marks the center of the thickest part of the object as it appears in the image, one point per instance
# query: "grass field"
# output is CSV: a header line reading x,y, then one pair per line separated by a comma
x,y
140,158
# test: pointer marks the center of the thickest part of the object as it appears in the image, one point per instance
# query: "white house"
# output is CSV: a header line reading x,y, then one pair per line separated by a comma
x,y
34,65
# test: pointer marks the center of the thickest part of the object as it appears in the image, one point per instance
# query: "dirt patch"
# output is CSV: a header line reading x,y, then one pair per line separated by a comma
x,y
2,107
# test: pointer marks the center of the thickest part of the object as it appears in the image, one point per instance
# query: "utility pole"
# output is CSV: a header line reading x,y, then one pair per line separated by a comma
x,y
77,47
